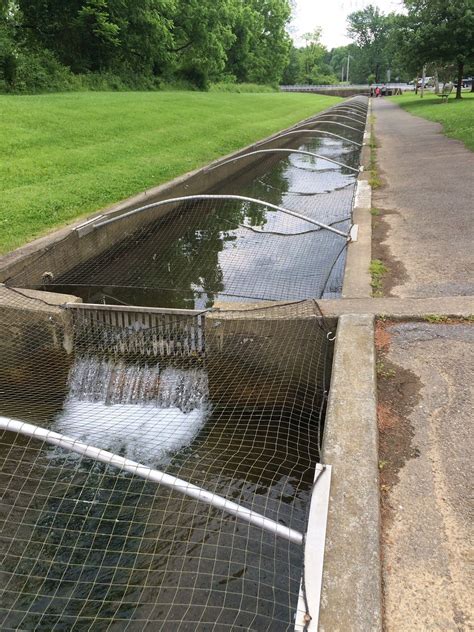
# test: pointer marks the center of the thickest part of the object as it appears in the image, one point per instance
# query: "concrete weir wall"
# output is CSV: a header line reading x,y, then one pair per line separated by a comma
x,y
36,339
351,597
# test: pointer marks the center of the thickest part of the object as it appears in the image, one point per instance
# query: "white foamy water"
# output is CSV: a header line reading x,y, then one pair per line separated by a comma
x,y
139,412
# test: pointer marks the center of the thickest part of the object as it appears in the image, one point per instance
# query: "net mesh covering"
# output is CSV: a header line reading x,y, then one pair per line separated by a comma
x,y
192,254
203,382
229,401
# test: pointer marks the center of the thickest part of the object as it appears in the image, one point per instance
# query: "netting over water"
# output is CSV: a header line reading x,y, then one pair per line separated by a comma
x,y
211,250
89,547
232,402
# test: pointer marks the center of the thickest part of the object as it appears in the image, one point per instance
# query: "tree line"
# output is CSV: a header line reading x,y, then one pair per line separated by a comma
x,y
143,42
147,44
437,35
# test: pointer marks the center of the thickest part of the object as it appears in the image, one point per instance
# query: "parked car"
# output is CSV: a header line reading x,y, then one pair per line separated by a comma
x,y
466,83
429,82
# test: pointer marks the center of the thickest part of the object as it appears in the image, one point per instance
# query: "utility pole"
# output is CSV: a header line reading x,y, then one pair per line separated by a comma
x,y
347,73
423,82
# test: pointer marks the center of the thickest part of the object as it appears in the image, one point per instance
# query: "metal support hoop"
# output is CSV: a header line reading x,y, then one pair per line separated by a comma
x,y
149,474
355,107
356,104
187,198
347,110
319,122
291,151
343,116
321,133
360,107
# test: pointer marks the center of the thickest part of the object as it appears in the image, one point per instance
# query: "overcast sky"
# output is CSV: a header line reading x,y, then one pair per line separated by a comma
x,y
331,16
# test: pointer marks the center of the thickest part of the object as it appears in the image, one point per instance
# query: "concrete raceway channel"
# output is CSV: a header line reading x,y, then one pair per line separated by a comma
x,y
351,596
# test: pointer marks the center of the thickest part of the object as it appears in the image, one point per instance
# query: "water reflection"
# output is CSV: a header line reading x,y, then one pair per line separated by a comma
x,y
205,251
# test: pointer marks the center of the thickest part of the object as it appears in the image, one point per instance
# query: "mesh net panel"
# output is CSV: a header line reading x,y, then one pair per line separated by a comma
x,y
231,401
212,250
238,413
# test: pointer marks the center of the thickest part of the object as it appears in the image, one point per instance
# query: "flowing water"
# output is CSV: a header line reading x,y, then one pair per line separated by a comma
x,y
89,548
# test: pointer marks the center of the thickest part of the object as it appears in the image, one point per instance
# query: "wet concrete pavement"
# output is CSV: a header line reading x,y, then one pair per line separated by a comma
x,y
425,394
426,204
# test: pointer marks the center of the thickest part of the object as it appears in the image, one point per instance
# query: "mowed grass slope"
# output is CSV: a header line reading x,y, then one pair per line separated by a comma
x,y
66,155
456,116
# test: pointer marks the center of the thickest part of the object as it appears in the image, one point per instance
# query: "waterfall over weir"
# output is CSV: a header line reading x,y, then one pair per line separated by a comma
x,y
141,411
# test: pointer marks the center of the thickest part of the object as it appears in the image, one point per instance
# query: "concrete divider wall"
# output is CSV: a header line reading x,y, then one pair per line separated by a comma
x,y
352,593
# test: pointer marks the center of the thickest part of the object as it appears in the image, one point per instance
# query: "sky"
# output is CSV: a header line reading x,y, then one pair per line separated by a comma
x,y
331,16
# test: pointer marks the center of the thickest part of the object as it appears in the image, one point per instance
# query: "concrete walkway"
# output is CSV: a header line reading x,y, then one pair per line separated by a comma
x,y
425,376
427,205
426,447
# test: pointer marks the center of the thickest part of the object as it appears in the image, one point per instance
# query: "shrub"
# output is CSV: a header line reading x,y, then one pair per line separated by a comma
x,y
241,87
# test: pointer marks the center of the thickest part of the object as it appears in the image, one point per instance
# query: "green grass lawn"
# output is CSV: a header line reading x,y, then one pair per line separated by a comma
x,y
456,116
66,155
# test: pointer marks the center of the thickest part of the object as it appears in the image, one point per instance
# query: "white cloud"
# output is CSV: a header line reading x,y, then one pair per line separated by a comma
x,y
331,16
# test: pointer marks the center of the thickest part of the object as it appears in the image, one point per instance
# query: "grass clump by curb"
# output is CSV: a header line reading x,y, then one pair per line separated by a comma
x,y
377,271
69,155
374,181
383,371
436,318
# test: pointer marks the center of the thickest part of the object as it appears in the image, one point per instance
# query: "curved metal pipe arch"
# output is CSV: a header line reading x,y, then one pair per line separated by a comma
x,y
289,151
319,122
342,116
188,198
349,110
320,132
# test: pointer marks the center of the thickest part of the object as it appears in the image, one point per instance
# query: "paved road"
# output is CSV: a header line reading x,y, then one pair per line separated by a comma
x,y
428,199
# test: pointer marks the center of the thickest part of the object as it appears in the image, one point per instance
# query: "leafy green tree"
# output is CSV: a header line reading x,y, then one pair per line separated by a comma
x,y
198,40
7,50
270,55
291,74
439,31
247,24
369,29
202,34
80,32
309,63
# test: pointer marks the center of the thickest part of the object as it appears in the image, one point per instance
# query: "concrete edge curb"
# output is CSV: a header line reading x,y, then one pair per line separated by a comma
x,y
352,590
357,279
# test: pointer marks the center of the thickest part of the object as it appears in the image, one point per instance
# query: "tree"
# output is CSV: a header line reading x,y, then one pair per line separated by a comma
x,y
369,29
202,34
198,40
270,54
309,63
439,31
